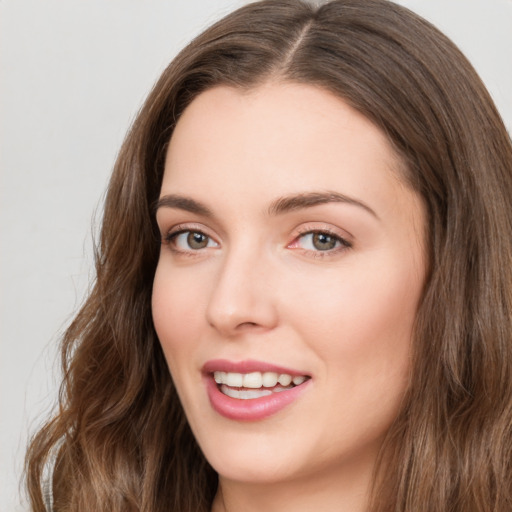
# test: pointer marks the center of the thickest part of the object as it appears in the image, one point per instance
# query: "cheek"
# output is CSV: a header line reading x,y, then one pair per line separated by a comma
x,y
176,307
363,319
359,302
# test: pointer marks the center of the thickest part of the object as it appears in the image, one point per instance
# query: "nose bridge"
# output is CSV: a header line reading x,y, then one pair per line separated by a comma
x,y
243,294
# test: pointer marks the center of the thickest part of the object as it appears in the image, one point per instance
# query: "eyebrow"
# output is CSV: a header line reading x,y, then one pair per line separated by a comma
x,y
278,207
310,199
182,203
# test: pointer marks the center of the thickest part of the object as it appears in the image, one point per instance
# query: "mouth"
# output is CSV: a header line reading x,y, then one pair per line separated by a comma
x,y
252,390
249,386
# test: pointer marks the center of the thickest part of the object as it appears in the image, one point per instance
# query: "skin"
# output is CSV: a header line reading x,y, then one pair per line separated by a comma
x,y
260,289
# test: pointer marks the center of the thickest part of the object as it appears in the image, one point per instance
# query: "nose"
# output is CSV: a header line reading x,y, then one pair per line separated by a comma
x,y
244,295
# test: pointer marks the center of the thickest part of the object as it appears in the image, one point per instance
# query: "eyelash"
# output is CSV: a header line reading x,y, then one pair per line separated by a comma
x,y
171,236
342,243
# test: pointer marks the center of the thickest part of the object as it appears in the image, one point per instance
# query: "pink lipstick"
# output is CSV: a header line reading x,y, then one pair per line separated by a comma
x,y
251,390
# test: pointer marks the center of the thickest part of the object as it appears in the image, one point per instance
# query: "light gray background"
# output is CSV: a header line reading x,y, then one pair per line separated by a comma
x,y
72,76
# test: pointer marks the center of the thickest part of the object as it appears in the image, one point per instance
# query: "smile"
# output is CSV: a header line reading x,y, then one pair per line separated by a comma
x,y
249,394
248,386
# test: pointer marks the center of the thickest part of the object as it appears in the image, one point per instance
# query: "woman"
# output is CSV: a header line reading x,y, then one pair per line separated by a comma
x,y
307,228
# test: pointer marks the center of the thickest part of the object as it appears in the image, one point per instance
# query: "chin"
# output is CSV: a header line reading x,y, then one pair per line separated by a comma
x,y
254,457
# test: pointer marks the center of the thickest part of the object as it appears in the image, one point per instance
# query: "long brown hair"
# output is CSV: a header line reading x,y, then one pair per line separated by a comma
x,y
120,438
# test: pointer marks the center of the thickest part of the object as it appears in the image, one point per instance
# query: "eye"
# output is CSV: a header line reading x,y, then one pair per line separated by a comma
x,y
320,241
188,240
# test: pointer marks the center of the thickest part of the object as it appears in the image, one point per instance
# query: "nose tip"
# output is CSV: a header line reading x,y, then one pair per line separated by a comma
x,y
243,299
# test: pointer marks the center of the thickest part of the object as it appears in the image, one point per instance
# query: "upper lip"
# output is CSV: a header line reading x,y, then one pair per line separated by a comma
x,y
247,366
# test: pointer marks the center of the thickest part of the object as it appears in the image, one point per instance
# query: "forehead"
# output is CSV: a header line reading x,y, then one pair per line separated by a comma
x,y
286,130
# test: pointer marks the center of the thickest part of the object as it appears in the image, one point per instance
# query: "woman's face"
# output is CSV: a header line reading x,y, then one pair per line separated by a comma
x,y
291,251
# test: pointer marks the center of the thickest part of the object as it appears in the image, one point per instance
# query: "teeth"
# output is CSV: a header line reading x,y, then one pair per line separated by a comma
x,y
235,380
219,377
269,379
285,380
256,380
253,380
244,394
249,394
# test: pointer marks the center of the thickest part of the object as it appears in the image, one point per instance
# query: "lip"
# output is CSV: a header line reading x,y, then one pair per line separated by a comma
x,y
254,409
247,366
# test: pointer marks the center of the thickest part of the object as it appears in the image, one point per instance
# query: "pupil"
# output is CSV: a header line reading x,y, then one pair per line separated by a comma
x,y
197,240
323,242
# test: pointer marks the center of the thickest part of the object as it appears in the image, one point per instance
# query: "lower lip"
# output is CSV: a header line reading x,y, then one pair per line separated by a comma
x,y
253,409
